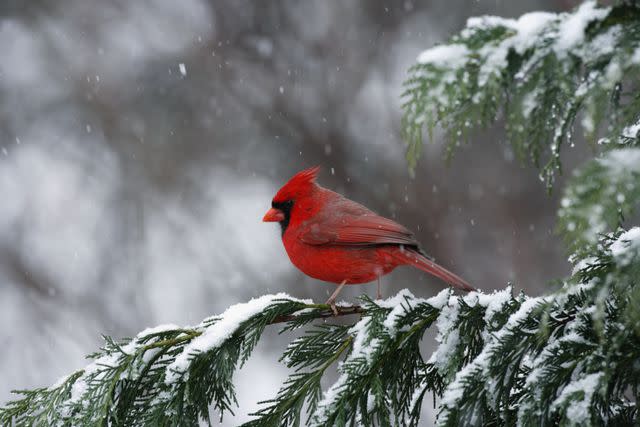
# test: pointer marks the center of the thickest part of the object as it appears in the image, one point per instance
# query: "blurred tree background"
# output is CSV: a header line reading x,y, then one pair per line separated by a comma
x,y
141,142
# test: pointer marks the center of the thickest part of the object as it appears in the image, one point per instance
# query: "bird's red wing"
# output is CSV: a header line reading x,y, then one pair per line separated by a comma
x,y
356,230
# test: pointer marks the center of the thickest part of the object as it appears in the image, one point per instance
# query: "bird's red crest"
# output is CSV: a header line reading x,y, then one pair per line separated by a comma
x,y
299,184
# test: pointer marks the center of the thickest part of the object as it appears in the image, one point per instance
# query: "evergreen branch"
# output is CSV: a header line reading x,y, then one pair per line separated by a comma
x,y
541,70
166,375
384,365
319,349
501,360
327,312
551,358
599,196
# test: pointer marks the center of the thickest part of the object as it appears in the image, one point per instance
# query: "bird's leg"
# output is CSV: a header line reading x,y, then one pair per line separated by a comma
x,y
332,299
379,294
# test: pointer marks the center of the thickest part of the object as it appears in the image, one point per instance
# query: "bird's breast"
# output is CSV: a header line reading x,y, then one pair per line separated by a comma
x,y
332,263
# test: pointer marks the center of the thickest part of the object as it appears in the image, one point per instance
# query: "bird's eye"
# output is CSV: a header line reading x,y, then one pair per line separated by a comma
x,y
283,206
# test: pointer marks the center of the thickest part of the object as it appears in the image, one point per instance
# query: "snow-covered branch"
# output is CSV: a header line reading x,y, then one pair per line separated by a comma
x,y
166,372
539,72
499,357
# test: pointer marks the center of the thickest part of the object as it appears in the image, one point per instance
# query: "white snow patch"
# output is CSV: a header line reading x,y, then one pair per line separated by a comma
x,y
398,299
540,364
441,299
529,103
448,337
362,347
398,305
632,130
612,74
523,311
455,390
183,69
486,22
627,247
371,402
215,334
60,382
495,303
453,55
603,44
526,31
158,329
529,27
583,263
578,411
571,31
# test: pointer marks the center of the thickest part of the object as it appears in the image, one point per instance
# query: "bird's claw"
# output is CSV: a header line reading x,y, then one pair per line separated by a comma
x,y
332,305
334,309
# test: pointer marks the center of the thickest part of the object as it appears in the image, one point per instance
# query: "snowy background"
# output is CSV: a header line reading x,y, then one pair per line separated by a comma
x,y
141,143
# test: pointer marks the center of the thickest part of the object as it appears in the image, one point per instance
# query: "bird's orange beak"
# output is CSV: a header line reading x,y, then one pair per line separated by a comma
x,y
273,215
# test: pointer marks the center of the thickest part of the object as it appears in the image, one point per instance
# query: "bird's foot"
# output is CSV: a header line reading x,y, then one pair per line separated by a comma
x,y
332,304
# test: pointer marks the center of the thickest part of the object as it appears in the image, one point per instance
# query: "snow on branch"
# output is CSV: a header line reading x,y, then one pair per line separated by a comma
x,y
555,358
499,357
165,374
538,71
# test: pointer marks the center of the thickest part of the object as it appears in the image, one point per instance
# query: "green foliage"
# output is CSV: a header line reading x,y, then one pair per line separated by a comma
x,y
537,73
39,406
140,382
501,360
600,196
568,358
314,352
384,368
540,71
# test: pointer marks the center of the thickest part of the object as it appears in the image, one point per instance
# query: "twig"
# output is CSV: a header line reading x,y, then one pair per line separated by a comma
x,y
326,313
341,311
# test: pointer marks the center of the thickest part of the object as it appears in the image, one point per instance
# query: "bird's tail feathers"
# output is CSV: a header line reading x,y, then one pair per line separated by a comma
x,y
423,263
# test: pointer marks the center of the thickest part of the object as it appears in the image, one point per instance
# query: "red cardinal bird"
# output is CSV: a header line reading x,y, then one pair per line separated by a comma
x,y
332,238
